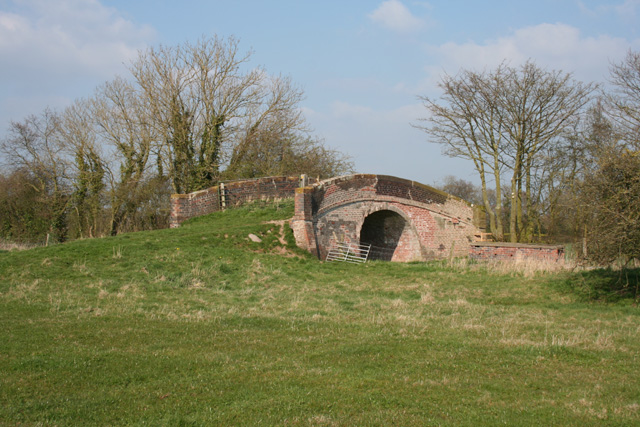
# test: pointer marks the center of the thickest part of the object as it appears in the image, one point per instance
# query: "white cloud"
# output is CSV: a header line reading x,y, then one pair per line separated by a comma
x,y
552,46
394,15
54,50
628,9
76,37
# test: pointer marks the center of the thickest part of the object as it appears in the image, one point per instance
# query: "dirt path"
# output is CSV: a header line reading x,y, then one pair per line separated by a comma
x,y
281,223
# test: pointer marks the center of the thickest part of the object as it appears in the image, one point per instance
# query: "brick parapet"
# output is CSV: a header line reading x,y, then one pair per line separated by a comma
x,y
185,206
240,192
303,204
230,194
437,224
385,185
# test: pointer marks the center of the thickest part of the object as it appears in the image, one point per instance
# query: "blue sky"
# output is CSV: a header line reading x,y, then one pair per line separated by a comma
x,y
362,64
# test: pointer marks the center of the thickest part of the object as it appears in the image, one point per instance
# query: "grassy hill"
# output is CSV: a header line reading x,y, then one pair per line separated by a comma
x,y
201,326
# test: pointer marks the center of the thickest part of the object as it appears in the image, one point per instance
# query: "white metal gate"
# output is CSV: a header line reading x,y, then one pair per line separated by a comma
x,y
349,252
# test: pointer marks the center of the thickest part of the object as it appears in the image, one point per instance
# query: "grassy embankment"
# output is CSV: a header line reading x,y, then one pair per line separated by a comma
x,y
200,326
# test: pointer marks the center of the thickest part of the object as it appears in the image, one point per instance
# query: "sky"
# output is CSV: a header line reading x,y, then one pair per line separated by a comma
x,y
362,64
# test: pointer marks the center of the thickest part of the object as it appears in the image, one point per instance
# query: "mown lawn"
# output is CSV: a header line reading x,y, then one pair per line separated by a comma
x,y
200,326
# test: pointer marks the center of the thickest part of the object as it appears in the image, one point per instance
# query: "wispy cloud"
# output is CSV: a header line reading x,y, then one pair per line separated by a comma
x,y
67,37
394,15
53,52
628,9
553,46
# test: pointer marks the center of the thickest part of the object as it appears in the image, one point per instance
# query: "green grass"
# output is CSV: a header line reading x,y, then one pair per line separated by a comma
x,y
201,326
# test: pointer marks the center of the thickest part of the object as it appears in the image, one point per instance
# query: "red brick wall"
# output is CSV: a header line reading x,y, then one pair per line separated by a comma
x,y
185,206
275,187
437,224
434,224
232,193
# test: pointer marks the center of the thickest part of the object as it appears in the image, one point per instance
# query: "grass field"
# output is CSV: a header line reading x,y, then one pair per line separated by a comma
x,y
201,326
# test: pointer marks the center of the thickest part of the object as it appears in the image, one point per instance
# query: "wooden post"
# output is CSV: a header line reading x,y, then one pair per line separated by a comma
x,y
223,197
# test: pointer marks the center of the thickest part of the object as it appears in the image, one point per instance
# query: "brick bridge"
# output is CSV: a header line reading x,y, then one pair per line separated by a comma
x,y
402,220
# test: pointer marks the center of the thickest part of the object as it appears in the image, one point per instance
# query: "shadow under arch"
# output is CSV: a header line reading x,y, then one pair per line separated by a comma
x,y
384,230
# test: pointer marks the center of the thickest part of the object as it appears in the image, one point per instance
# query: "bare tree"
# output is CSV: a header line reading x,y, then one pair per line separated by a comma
x,y
87,170
459,187
124,126
275,140
502,121
200,100
268,123
624,100
289,155
466,121
311,156
33,145
609,189
610,195
539,107
211,113
190,114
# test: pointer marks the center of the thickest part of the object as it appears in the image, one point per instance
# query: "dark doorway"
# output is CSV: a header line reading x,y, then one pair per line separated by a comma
x,y
382,230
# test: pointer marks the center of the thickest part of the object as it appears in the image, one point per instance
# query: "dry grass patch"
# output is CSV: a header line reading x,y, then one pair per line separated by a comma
x,y
6,245
25,291
517,267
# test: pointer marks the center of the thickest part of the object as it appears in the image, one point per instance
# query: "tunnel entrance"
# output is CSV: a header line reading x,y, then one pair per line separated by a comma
x,y
383,230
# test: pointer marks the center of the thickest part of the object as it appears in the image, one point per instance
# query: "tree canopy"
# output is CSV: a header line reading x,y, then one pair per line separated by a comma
x,y
508,122
187,117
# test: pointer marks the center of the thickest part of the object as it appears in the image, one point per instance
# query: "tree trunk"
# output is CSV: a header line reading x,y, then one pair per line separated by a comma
x,y
515,201
499,233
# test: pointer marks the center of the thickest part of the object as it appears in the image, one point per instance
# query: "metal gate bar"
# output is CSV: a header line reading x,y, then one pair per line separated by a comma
x,y
346,252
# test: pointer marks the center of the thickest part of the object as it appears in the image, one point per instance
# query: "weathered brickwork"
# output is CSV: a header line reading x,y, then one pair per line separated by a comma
x,y
404,220
278,187
230,194
185,206
515,251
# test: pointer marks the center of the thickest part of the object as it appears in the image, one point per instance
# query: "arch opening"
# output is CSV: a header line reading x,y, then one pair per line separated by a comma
x,y
384,231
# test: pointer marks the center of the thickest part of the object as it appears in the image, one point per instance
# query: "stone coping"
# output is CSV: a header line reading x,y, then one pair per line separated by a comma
x,y
232,183
194,193
402,181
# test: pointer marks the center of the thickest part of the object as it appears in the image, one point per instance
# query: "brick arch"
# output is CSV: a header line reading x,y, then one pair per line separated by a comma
x,y
335,210
391,234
